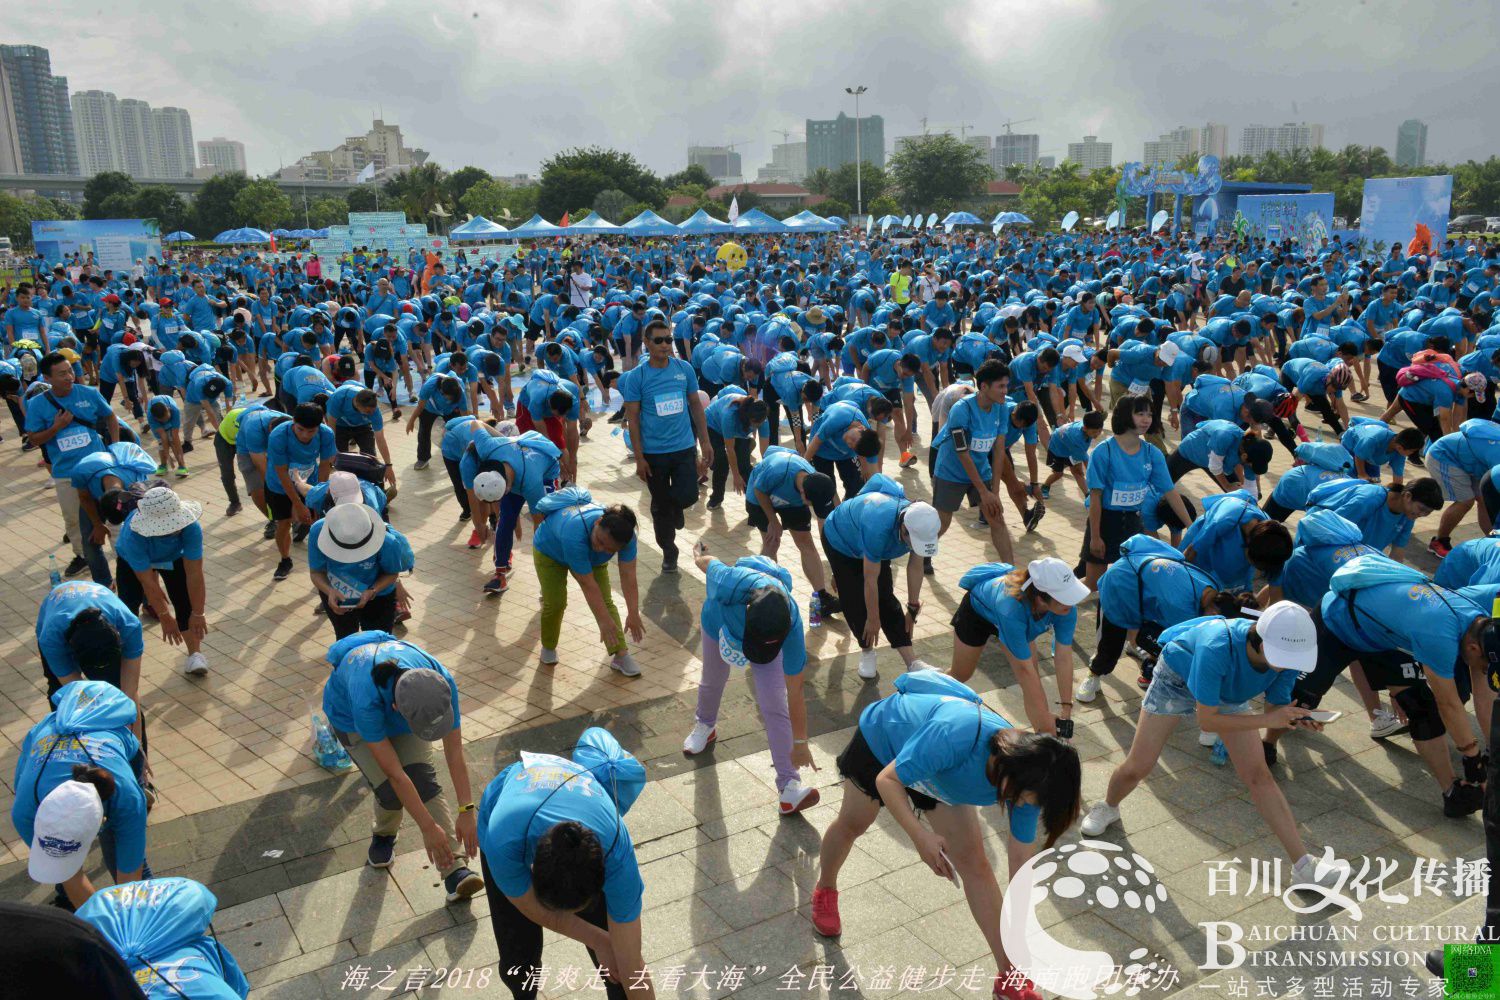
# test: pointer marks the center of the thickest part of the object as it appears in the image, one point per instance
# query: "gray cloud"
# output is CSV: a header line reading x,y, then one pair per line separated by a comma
x,y
508,87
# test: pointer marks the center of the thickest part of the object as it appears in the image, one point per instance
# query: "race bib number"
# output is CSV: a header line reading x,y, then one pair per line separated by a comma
x,y
348,591
1321,329
73,440
307,472
731,651
777,501
1127,497
668,406
983,445
1140,388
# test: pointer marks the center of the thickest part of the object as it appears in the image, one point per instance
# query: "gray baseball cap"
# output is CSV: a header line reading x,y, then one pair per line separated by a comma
x,y
425,700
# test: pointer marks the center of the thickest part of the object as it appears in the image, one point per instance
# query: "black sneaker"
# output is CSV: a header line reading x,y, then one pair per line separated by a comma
x,y
270,531
617,417
382,850
669,563
283,570
299,531
233,509
78,565
1269,749
716,504
1034,517
187,446
496,585
1462,800
927,567
462,884
828,604
1360,397
464,515
1417,461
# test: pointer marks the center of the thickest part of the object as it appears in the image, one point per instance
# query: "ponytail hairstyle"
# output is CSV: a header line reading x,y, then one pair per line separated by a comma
x,y
1045,766
102,780
1229,603
567,871
386,672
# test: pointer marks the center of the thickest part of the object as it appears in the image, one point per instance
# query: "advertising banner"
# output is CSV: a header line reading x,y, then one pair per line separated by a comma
x,y
1305,219
1400,209
115,243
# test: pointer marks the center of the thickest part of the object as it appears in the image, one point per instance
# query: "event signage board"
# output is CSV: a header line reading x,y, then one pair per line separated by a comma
x,y
115,243
1305,219
1400,209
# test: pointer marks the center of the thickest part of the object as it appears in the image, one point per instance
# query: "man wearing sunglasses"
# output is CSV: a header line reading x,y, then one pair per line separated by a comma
x,y
664,413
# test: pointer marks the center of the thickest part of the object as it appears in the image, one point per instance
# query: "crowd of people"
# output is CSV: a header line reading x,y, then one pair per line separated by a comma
x,y
802,378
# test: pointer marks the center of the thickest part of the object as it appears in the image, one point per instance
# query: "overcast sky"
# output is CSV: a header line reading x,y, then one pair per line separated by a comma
x,y
505,84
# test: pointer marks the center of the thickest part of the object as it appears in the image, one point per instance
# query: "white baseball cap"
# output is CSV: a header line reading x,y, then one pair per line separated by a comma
x,y
1168,352
922,526
344,488
1052,577
67,821
1288,637
1074,352
490,485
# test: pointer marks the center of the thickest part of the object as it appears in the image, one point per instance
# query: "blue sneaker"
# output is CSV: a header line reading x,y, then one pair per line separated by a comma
x,y
382,849
462,884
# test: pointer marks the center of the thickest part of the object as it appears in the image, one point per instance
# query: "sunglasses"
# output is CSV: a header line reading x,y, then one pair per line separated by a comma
x,y
661,340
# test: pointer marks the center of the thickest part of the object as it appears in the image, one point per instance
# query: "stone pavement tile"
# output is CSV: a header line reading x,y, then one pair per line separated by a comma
x,y
858,868
775,944
867,910
658,814
952,933
468,945
919,889
308,986
396,931
669,928
672,878
302,965
891,954
341,906
1191,789
389,966
697,973
662,847
751,898
263,944
742,853
1345,834
1234,821
248,914
1172,846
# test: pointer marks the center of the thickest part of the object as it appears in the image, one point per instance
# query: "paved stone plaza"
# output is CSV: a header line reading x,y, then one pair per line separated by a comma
x,y
245,809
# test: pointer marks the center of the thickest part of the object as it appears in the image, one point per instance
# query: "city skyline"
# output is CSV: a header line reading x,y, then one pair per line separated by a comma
x,y
737,95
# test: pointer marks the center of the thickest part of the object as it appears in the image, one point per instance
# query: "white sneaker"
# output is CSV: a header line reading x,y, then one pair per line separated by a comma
x,y
867,668
916,665
1089,689
1207,739
1100,818
195,665
1136,653
795,797
549,656
1310,870
698,740
1386,725
625,664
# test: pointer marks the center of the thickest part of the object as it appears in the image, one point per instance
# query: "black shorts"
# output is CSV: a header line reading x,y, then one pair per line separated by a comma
x,y
970,627
1489,496
857,763
1390,668
280,505
1116,526
1058,464
791,518
894,395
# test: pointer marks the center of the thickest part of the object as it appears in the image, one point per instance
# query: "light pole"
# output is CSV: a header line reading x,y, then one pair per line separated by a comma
x,y
859,192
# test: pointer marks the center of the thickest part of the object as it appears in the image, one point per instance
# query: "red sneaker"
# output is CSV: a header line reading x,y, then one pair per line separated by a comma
x,y
474,539
1439,548
1013,986
825,912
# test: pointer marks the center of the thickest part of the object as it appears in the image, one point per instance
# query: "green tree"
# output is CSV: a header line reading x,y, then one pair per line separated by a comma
x,y
119,205
416,191
820,181
612,204
326,211
845,185
457,184
576,176
499,203
938,172
361,199
213,209
163,205
833,206
17,213
261,204
99,188
884,205
695,174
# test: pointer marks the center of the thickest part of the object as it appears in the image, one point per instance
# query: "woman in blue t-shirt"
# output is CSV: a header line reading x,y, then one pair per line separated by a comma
x,y
933,749
1122,473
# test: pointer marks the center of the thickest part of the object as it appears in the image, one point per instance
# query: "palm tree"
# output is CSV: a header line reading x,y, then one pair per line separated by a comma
x,y
418,190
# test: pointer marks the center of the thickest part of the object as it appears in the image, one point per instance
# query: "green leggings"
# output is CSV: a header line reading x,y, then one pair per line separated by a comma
x,y
553,577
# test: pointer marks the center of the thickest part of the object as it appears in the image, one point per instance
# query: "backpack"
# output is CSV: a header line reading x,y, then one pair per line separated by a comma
x,y
366,467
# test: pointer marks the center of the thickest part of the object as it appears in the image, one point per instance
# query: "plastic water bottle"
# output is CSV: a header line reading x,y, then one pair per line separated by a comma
x,y
1318,436
814,612
1220,754
52,573
330,754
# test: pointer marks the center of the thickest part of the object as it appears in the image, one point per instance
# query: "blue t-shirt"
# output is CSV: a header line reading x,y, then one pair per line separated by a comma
x,y
533,795
158,552
1424,620
728,589
63,604
865,525
351,579
1217,542
284,448
1069,443
666,418
75,440
940,745
776,476
1365,505
830,428
1018,627
983,428
354,703
1369,440
344,413
1125,479
1474,447
255,430
1210,655
564,536
1221,438
1148,586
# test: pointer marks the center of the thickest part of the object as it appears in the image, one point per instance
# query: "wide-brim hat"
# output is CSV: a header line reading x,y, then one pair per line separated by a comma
x,y
162,512
351,533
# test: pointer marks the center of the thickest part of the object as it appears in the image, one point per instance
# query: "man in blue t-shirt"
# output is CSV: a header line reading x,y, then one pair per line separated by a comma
x,y
299,453
666,419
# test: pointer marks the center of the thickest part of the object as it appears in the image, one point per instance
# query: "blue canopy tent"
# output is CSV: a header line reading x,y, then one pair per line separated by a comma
x,y
245,235
478,228
838,220
596,224
962,219
1011,218
282,234
756,221
318,234
648,223
807,221
181,236
700,223
535,227
304,234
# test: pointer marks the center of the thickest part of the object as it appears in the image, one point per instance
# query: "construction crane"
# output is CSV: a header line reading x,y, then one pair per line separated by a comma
x,y
1018,121
963,129
785,133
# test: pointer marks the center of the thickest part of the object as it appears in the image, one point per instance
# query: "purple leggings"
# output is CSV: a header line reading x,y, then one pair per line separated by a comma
x,y
770,693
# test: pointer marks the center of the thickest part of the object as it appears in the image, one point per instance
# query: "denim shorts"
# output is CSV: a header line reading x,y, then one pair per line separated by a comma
x,y
1169,695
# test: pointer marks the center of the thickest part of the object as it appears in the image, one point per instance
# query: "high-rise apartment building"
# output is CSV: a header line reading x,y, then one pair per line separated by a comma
x,y
96,127
721,162
174,142
1017,149
1258,140
382,146
1188,141
831,142
221,155
788,164
138,138
37,103
1091,154
1411,143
